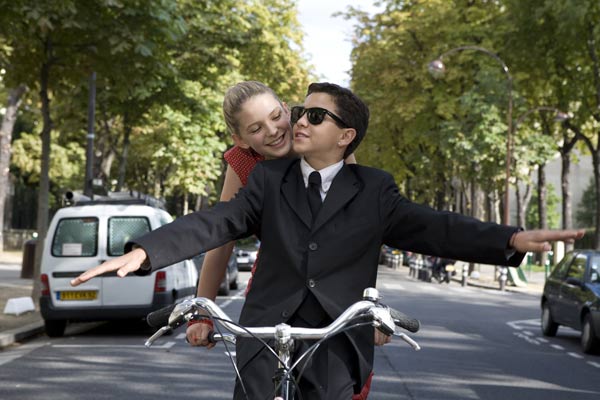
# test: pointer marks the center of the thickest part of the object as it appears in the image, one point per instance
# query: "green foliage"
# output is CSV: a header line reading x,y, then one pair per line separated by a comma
x,y
66,165
422,129
552,204
161,67
586,210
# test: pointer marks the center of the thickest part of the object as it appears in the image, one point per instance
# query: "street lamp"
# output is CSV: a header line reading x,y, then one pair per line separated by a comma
x,y
437,69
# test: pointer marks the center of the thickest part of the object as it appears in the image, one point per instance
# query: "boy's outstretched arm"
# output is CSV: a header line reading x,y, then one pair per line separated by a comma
x,y
124,264
539,240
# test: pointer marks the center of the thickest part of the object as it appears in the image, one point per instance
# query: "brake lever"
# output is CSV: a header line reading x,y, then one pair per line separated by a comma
x,y
156,335
408,340
383,320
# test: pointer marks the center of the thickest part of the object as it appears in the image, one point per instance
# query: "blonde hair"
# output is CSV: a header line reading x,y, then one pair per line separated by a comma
x,y
236,96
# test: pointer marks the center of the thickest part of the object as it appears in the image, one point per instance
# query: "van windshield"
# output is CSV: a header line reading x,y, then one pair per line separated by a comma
x,y
76,237
123,229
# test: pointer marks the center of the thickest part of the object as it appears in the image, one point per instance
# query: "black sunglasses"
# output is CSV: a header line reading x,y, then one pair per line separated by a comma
x,y
315,115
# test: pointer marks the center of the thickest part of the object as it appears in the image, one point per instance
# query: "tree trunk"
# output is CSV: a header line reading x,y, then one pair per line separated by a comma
x,y
520,208
523,200
567,214
44,188
186,204
596,165
542,209
8,123
124,153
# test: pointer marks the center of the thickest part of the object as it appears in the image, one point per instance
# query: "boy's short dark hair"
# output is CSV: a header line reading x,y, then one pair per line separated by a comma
x,y
349,107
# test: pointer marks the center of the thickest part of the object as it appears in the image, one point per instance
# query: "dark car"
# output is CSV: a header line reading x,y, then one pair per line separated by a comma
x,y
230,282
572,297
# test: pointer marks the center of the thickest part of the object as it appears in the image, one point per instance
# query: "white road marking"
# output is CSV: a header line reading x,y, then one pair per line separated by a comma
x,y
10,355
521,331
167,345
594,364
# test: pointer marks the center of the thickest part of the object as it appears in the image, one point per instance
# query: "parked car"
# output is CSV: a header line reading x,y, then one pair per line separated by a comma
x,y
246,254
572,298
89,233
230,281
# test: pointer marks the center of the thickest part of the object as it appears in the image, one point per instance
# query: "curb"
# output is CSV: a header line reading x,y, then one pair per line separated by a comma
x,y
9,337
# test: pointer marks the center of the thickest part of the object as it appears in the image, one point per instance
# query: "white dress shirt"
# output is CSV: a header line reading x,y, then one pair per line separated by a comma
x,y
327,175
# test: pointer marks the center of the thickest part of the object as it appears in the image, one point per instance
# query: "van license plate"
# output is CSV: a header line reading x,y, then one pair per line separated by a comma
x,y
78,295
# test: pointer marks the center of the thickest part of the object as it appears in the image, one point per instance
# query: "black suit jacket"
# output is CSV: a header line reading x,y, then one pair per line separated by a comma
x,y
337,257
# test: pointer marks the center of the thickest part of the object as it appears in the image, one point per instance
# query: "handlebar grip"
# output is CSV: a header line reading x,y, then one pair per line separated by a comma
x,y
160,318
211,337
404,321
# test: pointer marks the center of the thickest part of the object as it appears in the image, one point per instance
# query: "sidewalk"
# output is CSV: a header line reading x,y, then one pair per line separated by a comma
x,y
15,328
485,277
487,280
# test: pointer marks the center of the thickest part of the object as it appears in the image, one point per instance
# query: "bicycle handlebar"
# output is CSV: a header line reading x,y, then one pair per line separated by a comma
x,y
383,317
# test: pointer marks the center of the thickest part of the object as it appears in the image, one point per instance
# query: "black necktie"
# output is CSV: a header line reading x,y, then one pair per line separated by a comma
x,y
314,193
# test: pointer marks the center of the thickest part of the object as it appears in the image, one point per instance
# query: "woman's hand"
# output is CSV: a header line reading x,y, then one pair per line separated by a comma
x,y
197,335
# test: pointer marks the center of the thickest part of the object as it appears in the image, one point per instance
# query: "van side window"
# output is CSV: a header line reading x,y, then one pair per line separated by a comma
x,y
123,229
75,237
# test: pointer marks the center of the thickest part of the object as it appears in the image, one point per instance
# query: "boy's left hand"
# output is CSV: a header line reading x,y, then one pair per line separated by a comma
x,y
539,240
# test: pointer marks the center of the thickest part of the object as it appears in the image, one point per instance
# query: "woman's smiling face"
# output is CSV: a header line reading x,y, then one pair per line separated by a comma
x,y
264,125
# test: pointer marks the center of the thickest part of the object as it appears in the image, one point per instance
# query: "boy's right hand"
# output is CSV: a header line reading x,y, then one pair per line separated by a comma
x,y
197,335
124,264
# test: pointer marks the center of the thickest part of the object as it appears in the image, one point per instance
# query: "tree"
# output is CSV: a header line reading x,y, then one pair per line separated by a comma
x,y
586,212
55,45
8,122
562,38
552,216
162,68
431,132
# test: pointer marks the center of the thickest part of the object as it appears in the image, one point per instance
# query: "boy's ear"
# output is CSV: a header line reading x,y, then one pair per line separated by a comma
x,y
347,137
237,139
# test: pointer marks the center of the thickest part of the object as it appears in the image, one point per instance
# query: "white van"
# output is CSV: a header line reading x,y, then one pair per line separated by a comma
x,y
83,236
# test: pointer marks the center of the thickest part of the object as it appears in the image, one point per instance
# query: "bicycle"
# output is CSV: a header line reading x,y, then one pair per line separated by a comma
x,y
367,311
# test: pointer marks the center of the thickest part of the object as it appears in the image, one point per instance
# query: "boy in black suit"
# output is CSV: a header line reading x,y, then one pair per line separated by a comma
x,y
320,240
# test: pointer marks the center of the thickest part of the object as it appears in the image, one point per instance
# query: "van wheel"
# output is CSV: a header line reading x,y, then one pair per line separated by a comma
x,y
589,341
234,285
549,327
55,327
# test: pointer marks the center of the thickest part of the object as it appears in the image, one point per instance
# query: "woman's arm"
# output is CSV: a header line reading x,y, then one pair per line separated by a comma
x,y
213,267
215,261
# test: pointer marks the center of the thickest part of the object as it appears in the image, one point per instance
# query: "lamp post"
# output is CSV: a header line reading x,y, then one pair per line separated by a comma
x,y
437,69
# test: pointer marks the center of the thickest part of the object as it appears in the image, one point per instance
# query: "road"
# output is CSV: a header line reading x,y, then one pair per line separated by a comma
x,y
476,344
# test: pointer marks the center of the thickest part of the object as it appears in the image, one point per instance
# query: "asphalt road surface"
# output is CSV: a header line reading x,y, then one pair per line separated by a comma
x,y
476,344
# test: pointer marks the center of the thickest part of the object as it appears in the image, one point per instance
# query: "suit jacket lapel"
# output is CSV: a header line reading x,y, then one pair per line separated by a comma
x,y
344,187
294,192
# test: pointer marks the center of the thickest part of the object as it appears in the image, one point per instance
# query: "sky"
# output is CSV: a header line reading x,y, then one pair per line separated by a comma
x,y
327,38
